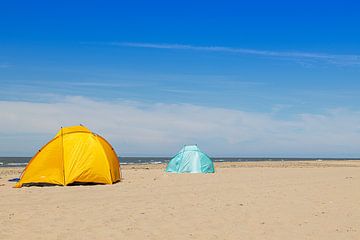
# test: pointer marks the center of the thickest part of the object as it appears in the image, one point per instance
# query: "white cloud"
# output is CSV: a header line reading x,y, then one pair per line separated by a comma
x,y
161,129
301,57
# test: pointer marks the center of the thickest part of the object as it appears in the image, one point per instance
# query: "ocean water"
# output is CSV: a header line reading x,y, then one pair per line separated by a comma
x,y
23,161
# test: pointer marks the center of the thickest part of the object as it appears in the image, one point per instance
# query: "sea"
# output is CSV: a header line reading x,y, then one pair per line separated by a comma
x,y
23,161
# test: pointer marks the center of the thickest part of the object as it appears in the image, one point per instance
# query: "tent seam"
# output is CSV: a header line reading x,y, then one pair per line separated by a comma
x,y
103,151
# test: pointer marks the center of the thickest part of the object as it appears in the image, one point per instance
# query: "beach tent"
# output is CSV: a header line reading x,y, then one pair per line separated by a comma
x,y
74,155
190,159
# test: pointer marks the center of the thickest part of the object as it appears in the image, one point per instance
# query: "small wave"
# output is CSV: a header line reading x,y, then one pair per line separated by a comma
x,y
156,162
16,164
132,163
140,163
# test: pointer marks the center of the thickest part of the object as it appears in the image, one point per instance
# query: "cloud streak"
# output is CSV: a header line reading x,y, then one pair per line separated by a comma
x,y
337,59
4,65
136,128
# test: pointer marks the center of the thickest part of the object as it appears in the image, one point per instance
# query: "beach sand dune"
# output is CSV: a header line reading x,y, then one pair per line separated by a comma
x,y
267,200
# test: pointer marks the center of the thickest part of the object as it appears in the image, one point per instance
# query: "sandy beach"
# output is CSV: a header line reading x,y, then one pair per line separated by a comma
x,y
261,200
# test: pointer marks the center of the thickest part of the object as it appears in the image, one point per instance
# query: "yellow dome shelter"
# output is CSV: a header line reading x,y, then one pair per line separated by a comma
x,y
75,155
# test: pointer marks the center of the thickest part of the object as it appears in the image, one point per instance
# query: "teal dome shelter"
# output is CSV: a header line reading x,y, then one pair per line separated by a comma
x,y
190,159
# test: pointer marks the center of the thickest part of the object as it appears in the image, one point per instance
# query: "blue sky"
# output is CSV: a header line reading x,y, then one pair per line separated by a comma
x,y
284,76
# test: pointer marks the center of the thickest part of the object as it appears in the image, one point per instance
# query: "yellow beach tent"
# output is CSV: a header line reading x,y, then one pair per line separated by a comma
x,y
75,155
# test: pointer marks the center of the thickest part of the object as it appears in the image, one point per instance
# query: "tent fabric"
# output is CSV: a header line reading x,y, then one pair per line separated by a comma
x,y
75,155
190,159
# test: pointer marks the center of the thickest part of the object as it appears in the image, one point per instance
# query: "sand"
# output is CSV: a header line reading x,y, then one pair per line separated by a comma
x,y
268,200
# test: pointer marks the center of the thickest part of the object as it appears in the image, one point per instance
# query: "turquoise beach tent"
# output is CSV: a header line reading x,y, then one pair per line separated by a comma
x,y
190,159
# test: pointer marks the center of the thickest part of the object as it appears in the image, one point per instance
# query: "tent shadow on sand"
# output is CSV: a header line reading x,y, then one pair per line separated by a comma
x,y
38,184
